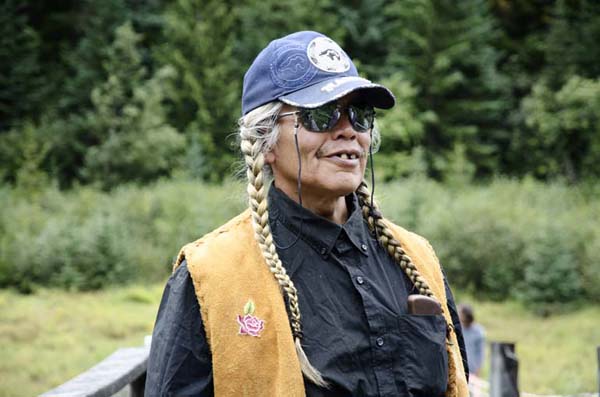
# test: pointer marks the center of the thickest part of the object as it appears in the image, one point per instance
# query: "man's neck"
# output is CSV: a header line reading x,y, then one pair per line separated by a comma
x,y
331,208
334,209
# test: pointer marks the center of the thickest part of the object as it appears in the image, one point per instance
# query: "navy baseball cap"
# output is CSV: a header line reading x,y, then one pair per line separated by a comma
x,y
307,69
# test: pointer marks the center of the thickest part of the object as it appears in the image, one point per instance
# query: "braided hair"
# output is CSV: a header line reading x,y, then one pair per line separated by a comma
x,y
259,133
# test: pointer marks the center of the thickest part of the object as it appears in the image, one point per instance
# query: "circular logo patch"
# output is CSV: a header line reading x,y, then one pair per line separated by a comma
x,y
291,68
326,55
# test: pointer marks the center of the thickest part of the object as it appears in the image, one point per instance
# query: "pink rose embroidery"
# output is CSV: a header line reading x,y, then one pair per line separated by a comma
x,y
250,325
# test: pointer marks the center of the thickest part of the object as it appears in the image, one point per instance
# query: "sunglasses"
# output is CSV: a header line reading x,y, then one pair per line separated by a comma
x,y
325,118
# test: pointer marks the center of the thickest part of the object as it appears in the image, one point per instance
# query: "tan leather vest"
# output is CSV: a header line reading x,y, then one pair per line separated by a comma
x,y
228,271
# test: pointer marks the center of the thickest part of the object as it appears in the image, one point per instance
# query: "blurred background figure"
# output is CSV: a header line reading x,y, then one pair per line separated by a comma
x,y
474,335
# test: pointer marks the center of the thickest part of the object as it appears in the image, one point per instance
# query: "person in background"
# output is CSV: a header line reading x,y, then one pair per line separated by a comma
x,y
311,291
474,335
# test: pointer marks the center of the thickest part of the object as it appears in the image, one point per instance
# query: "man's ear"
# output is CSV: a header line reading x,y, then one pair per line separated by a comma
x,y
270,157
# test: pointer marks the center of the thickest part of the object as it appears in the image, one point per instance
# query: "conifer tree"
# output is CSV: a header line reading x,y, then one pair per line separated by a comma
x,y
367,28
133,141
53,55
444,49
564,129
261,21
96,22
211,44
21,85
555,123
572,46
402,129
205,95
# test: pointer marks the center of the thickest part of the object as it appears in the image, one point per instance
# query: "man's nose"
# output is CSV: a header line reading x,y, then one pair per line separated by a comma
x,y
343,129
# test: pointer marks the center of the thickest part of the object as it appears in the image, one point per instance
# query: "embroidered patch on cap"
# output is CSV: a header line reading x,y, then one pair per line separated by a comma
x,y
250,325
291,68
326,55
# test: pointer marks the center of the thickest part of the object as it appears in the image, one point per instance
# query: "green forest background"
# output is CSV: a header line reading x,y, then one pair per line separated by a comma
x,y
116,91
118,120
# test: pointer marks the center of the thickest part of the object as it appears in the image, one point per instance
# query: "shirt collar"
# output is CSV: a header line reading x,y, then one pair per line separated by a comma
x,y
356,227
318,232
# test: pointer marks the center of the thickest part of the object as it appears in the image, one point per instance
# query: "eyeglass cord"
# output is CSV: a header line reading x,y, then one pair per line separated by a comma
x,y
372,181
299,182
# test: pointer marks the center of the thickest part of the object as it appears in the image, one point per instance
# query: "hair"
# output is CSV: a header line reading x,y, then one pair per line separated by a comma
x,y
259,132
466,313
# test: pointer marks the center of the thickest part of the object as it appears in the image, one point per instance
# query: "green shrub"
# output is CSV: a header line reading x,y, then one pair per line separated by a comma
x,y
531,241
522,239
87,239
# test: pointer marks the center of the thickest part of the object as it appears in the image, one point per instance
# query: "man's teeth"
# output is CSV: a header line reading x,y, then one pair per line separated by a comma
x,y
347,156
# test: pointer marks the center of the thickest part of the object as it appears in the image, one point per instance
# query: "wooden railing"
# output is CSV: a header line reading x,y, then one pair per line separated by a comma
x,y
124,367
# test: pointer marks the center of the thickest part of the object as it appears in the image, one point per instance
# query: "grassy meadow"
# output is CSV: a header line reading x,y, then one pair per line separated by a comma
x,y
50,336
557,354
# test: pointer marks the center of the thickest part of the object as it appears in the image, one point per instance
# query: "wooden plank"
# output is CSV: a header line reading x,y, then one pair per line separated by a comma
x,y
504,370
138,386
107,377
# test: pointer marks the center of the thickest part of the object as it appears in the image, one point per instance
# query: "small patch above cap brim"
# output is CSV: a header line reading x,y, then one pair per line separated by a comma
x,y
335,88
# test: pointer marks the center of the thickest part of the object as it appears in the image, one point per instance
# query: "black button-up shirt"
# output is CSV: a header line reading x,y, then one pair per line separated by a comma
x,y
353,301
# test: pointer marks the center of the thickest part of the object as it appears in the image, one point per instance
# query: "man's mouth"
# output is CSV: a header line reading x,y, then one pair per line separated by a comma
x,y
346,156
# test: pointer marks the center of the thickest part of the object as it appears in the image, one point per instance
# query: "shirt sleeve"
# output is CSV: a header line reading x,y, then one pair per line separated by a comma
x,y
457,327
180,362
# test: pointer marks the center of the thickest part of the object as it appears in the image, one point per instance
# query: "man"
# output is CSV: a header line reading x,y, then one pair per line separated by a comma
x,y
310,291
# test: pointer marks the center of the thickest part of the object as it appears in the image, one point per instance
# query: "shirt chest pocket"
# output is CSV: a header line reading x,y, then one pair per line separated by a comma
x,y
423,358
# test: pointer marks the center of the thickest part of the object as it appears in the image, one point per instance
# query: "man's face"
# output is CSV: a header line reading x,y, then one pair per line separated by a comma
x,y
327,169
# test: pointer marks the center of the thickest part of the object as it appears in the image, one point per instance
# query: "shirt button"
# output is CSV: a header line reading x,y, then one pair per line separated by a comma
x,y
379,341
323,251
364,247
360,280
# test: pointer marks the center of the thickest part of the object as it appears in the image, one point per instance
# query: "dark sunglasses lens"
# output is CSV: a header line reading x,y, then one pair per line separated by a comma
x,y
361,117
321,119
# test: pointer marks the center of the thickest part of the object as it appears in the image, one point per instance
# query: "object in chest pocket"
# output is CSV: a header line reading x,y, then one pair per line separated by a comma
x,y
421,304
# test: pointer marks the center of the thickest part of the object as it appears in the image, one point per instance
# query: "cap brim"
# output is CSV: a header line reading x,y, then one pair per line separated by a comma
x,y
335,88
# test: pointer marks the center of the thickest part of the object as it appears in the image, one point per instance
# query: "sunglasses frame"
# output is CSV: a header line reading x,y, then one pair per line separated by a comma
x,y
338,108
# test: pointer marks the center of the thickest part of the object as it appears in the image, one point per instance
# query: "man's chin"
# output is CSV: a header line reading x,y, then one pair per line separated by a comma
x,y
342,189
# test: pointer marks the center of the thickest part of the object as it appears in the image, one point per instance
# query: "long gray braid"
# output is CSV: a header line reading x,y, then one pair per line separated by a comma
x,y
258,133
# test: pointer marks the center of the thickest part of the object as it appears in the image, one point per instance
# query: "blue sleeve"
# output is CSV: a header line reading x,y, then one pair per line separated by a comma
x,y
479,347
180,362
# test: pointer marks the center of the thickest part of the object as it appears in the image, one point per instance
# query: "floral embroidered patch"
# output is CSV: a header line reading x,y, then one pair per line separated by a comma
x,y
249,324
